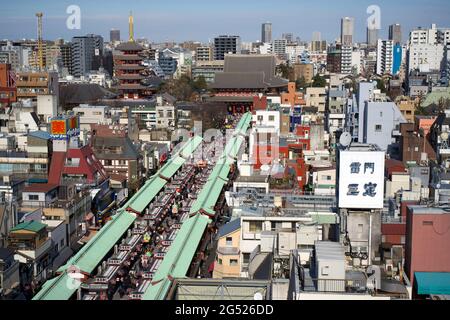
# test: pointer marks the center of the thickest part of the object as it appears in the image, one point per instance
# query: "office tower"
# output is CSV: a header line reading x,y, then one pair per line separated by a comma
x,y
266,33
226,44
114,35
87,52
372,37
385,56
395,33
347,31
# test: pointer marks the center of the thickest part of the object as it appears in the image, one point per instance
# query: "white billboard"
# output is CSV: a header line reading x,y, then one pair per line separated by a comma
x,y
361,179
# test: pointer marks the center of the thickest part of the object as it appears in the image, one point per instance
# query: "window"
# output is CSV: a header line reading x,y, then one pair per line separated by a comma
x,y
260,118
325,270
33,197
246,257
271,118
233,262
255,226
427,223
229,241
219,261
378,128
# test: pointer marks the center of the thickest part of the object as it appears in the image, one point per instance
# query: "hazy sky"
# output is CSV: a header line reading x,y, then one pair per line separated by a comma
x,y
179,20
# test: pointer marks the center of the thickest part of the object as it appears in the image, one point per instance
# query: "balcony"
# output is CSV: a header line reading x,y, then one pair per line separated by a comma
x,y
37,252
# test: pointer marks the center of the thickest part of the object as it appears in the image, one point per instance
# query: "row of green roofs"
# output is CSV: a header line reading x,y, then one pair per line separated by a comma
x,y
182,250
177,261
63,287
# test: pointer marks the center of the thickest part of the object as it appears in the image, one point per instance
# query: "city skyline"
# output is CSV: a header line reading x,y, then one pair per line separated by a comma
x,y
160,22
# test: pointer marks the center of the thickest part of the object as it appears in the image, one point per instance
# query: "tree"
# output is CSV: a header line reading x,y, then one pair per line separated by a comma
x,y
286,71
381,86
319,81
301,83
200,84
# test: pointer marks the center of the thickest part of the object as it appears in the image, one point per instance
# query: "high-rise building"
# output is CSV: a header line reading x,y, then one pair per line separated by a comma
x,y
266,32
395,33
66,57
347,31
385,57
226,44
87,52
114,35
372,37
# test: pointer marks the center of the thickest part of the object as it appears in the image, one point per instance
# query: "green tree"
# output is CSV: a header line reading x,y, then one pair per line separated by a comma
x,y
200,84
381,86
301,83
319,81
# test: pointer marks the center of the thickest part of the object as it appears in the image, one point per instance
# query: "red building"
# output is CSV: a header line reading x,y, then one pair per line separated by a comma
x,y
129,71
70,160
427,240
393,231
8,90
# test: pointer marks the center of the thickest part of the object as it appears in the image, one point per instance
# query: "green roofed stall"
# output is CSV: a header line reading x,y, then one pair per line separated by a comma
x,y
95,250
146,194
63,287
60,288
432,283
178,259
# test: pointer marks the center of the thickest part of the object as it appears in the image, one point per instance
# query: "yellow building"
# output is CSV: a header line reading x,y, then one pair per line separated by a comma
x,y
407,107
227,264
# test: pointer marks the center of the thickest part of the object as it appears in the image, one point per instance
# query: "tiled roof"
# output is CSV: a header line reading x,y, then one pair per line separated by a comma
x,y
230,227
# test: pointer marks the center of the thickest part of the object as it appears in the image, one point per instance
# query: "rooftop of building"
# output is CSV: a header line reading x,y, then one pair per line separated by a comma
x,y
33,226
248,72
420,209
40,187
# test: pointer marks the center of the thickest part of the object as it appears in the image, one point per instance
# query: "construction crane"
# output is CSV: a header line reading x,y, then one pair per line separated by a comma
x,y
40,44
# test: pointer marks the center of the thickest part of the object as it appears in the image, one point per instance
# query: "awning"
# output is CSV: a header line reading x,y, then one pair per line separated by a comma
x,y
432,283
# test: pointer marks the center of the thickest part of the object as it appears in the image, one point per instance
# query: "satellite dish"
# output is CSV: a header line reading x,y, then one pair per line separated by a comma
x,y
345,139
258,296
444,136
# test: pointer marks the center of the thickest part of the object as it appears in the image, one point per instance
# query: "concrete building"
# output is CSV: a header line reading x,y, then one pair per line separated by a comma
x,y
378,119
203,54
372,37
279,48
114,35
433,35
395,33
226,44
427,240
207,70
305,71
87,52
316,97
32,84
227,263
425,57
347,31
266,32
